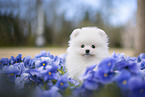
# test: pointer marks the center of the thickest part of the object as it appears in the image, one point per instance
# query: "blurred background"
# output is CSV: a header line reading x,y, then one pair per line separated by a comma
x,y
29,26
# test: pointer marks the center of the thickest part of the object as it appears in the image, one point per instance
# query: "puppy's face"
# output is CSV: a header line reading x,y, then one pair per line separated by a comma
x,y
87,50
87,42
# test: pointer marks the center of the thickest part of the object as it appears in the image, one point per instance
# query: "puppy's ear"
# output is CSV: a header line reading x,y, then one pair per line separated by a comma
x,y
75,33
103,34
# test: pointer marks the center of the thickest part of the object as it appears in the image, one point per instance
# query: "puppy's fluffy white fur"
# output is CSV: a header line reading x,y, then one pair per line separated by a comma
x,y
78,58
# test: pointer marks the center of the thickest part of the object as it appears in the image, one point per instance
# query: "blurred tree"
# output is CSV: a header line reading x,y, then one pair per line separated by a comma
x,y
114,33
65,31
86,21
128,36
40,41
54,20
10,32
140,34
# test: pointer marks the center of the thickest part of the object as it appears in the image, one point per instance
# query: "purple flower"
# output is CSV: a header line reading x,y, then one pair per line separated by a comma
x,y
32,63
20,66
131,65
90,85
4,61
118,57
76,92
34,75
90,69
56,60
105,77
107,64
12,60
27,61
137,87
43,54
62,57
122,79
91,74
142,65
51,56
11,71
50,73
62,82
19,58
20,81
62,61
44,61
74,82
53,92
141,57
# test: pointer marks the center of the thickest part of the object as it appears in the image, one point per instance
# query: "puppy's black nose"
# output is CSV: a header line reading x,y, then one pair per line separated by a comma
x,y
87,51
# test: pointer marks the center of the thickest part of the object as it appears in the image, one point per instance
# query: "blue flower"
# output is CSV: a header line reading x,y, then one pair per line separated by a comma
x,y
122,79
62,61
76,92
62,82
51,56
27,61
62,57
32,63
34,75
107,64
89,73
57,61
11,71
43,54
137,87
131,65
90,85
53,92
118,57
74,82
81,92
4,61
19,58
21,67
105,77
90,69
141,57
33,72
121,65
141,65
20,81
12,60
50,73
44,61
133,59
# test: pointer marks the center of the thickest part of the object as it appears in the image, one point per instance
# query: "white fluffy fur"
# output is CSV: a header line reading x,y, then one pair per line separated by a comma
x,y
76,60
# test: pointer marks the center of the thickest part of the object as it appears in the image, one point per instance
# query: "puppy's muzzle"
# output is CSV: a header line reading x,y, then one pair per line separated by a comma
x,y
87,53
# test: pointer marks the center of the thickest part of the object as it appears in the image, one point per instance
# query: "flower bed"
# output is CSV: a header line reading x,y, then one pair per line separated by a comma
x,y
45,76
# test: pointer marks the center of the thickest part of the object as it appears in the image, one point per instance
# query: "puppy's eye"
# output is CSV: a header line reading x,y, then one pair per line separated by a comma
x,y
82,46
93,46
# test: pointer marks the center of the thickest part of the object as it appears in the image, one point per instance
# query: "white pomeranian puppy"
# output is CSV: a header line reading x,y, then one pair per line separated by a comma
x,y
87,46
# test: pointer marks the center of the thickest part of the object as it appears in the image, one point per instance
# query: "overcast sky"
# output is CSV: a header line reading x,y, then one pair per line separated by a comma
x,y
121,13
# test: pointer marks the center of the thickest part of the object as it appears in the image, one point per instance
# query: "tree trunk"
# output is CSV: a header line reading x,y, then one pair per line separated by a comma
x,y
140,34
40,41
